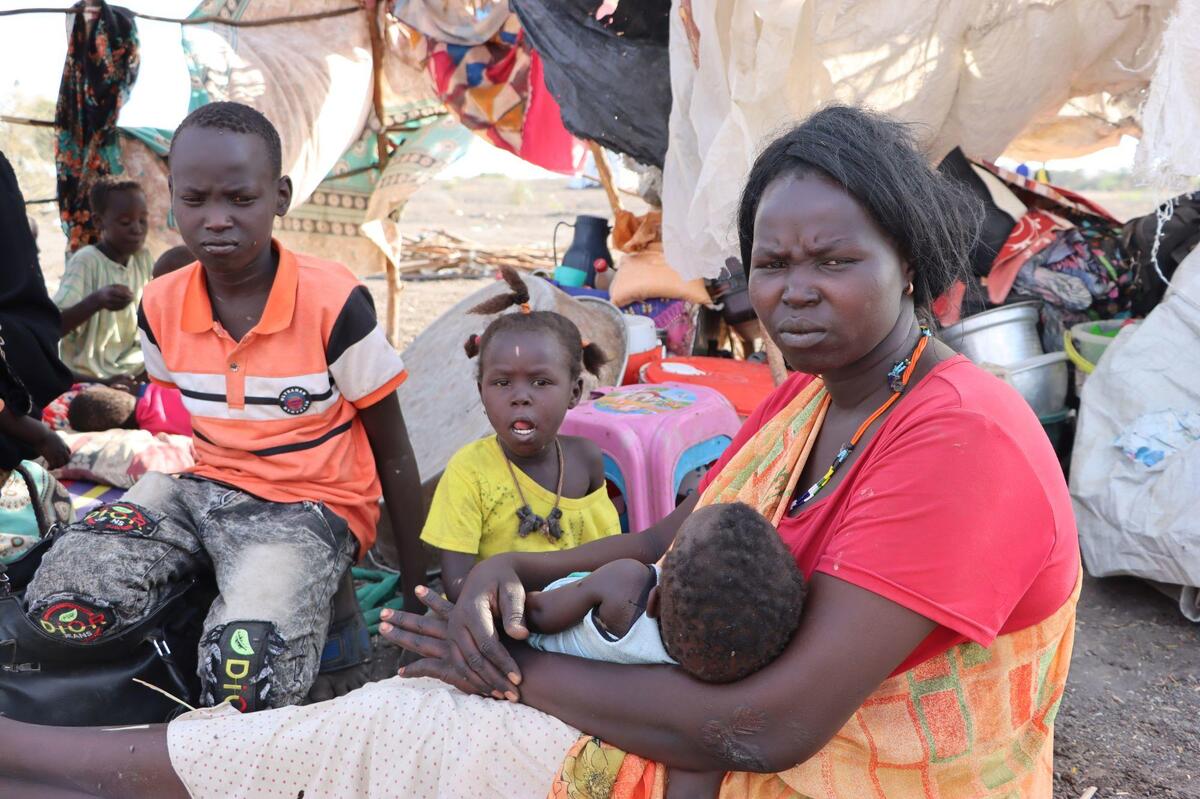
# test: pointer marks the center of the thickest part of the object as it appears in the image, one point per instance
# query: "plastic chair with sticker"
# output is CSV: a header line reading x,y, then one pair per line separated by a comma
x,y
652,438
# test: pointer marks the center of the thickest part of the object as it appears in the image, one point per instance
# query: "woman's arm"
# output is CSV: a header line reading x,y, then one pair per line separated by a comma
x,y
113,763
495,590
848,642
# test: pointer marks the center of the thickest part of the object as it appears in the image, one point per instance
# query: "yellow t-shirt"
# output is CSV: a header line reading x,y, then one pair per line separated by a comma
x,y
107,344
474,509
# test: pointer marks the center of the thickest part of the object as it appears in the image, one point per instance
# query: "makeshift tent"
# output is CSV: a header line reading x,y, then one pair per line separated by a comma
x,y
1038,80
367,110
312,79
315,80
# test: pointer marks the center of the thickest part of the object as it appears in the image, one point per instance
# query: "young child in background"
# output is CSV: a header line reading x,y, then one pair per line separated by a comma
x,y
101,287
155,408
526,488
291,387
725,604
159,409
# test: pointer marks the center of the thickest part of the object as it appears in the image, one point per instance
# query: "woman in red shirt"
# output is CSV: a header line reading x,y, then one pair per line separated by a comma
x,y
918,494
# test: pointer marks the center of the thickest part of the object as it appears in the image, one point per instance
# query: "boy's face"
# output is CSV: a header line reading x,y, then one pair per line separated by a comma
x,y
225,196
124,223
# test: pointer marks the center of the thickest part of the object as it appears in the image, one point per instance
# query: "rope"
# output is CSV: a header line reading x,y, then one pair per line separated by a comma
x,y
233,23
1162,215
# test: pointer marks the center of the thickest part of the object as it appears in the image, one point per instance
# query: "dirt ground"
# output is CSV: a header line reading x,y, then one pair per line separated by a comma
x,y
1130,721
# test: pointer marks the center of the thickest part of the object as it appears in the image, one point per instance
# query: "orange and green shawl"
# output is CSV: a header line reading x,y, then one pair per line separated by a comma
x,y
971,722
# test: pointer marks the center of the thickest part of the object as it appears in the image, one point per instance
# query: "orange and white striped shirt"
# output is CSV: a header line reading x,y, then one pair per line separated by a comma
x,y
276,414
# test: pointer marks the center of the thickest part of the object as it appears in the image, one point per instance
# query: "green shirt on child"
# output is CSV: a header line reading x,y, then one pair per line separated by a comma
x,y
106,345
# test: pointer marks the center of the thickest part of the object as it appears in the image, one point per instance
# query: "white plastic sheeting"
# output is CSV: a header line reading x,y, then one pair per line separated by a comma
x,y
1135,468
1037,78
1167,155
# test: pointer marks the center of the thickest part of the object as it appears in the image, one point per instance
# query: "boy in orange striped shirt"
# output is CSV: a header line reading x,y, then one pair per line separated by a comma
x,y
290,383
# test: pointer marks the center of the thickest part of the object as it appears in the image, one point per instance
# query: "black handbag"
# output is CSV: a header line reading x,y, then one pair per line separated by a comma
x,y
47,680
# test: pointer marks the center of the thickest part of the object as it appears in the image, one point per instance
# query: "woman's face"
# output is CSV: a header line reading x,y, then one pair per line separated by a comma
x,y
826,281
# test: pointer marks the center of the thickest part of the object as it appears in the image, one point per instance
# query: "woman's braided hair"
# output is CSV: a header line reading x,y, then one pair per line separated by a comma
x,y
580,354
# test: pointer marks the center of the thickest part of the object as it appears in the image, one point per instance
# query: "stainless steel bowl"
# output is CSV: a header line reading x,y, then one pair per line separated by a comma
x,y
1042,381
1004,336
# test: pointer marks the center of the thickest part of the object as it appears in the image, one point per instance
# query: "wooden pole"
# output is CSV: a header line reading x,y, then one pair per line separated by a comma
x,y
374,23
392,323
606,178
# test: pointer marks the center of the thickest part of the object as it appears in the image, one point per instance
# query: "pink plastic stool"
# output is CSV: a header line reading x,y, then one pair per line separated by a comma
x,y
652,436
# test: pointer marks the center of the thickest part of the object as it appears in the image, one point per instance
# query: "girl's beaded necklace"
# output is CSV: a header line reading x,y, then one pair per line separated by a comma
x,y
530,522
897,379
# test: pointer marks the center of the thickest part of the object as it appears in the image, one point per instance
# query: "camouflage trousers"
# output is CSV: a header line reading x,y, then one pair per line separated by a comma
x,y
277,566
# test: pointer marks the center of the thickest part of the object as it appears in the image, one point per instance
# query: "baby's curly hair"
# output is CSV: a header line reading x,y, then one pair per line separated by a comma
x,y
101,408
730,596
580,354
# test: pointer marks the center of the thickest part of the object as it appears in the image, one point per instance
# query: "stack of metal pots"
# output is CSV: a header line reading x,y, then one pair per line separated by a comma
x,y
1005,340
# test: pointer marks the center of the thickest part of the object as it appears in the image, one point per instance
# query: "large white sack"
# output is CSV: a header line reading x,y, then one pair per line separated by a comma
x,y
1133,518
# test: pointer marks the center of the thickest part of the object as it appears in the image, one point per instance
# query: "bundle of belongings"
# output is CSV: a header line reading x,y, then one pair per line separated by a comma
x,y
1043,242
646,285
1039,242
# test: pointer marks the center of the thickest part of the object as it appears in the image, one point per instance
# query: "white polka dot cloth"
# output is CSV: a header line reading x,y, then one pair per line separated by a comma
x,y
401,738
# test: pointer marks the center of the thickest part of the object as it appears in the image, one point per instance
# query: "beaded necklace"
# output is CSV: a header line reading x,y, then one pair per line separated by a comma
x,y
530,522
897,380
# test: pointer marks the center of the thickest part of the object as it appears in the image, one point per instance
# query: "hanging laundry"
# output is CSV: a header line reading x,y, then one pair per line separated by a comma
x,y
100,68
611,76
496,89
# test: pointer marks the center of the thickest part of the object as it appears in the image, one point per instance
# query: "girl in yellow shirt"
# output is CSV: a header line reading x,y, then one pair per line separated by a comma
x,y
526,488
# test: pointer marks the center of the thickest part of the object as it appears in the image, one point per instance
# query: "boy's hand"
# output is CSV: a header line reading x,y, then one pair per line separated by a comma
x,y
53,449
113,297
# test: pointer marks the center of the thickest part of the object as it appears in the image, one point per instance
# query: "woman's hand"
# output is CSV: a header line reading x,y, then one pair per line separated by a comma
x,y
491,592
427,636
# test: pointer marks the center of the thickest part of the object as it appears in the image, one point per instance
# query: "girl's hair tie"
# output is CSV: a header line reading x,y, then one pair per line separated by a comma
x,y
525,309
474,339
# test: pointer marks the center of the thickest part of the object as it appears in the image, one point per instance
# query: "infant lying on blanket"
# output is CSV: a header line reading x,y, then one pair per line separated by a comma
x,y
726,602
155,408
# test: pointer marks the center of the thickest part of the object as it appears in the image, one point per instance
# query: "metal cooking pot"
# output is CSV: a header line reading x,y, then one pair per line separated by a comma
x,y
1042,381
1005,336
